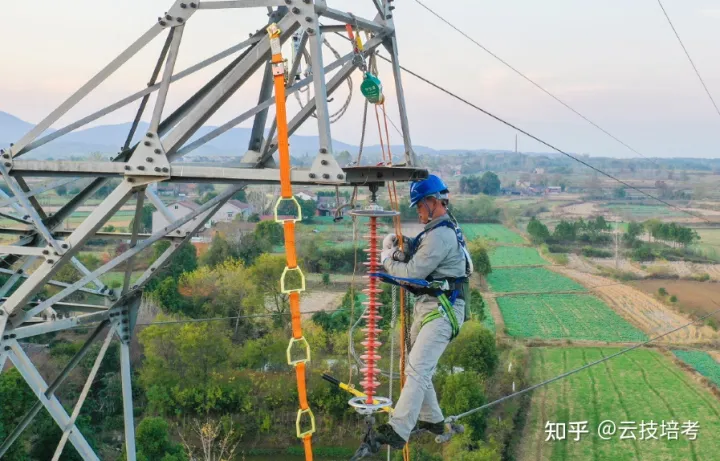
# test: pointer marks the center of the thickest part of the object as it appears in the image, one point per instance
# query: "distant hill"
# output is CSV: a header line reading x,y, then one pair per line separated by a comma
x,y
109,138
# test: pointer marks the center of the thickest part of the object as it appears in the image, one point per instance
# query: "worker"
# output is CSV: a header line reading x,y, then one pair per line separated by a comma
x,y
437,254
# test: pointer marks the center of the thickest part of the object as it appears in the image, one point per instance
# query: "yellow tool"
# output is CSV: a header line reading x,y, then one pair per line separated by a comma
x,y
352,390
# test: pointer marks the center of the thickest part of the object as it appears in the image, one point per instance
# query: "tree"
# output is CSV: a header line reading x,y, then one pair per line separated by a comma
x,y
477,305
480,258
185,367
270,231
619,192
538,231
307,207
61,191
490,183
145,220
217,437
224,290
254,218
218,251
153,441
634,230
265,274
473,350
565,231
240,195
17,400
460,392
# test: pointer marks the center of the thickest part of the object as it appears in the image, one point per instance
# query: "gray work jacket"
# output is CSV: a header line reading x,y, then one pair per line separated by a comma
x,y
439,255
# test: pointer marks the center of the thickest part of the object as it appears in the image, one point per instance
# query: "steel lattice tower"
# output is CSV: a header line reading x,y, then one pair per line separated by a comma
x,y
43,247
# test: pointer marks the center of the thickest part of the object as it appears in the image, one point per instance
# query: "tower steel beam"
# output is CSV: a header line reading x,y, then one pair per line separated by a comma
x,y
43,247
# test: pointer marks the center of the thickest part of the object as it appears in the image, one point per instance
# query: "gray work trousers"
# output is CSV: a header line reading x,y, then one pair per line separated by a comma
x,y
417,399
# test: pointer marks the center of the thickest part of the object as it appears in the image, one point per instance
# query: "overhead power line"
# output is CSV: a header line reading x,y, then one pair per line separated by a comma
x,y
576,370
692,63
533,82
545,143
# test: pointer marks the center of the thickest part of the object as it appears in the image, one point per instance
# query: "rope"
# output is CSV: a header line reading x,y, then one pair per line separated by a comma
x,y
692,63
547,144
393,322
531,81
452,419
340,112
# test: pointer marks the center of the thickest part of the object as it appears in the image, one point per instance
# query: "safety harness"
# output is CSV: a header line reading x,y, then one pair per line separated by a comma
x,y
446,290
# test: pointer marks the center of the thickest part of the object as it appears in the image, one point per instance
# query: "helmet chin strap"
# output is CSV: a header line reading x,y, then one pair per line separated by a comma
x,y
430,212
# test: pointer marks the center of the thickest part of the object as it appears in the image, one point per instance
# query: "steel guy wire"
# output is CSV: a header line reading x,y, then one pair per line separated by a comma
x,y
545,143
692,63
454,418
533,82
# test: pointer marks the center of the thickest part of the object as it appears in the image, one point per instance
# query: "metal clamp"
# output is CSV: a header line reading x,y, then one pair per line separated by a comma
x,y
297,205
361,406
282,280
301,434
303,342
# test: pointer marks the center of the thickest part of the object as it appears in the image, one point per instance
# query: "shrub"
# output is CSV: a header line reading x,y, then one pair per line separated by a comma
x,y
591,252
662,291
326,279
673,299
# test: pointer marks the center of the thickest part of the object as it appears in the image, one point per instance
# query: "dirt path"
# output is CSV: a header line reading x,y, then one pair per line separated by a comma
x,y
581,264
641,310
321,301
497,315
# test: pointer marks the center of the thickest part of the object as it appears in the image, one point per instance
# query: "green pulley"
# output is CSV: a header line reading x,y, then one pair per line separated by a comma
x,y
371,88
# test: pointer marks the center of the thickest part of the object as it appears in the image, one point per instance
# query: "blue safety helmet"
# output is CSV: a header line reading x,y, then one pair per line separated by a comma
x,y
432,186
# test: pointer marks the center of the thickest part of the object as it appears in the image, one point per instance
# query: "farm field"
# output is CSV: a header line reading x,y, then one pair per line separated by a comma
x,y
694,296
489,320
642,385
530,280
565,316
495,232
515,256
643,212
643,311
702,362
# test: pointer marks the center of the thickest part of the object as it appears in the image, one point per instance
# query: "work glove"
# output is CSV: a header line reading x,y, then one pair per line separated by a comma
x,y
389,241
399,255
386,253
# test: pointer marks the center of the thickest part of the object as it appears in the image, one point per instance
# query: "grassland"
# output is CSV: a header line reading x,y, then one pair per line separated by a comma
x,y
565,316
494,232
530,280
643,212
702,362
503,256
639,386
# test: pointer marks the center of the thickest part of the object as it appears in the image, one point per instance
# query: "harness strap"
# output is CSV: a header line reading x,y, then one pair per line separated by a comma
x,y
445,309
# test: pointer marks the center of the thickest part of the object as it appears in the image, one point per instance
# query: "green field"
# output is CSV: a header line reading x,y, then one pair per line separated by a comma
x,y
643,212
702,362
565,316
488,320
530,280
641,385
495,232
515,256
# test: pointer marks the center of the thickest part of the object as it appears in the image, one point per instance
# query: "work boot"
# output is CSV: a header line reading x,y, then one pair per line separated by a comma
x,y
435,428
386,435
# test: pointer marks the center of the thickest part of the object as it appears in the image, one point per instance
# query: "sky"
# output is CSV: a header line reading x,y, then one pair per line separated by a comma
x,y
615,61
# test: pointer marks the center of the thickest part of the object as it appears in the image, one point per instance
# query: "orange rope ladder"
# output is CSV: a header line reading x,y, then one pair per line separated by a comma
x,y
278,69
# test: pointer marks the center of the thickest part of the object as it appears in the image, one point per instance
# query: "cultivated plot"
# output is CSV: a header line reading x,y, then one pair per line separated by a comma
x,y
530,280
633,391
503,256
565,316
495,232
645,312
702,362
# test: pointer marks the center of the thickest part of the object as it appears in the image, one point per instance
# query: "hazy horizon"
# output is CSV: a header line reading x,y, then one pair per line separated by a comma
x,y
617,63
